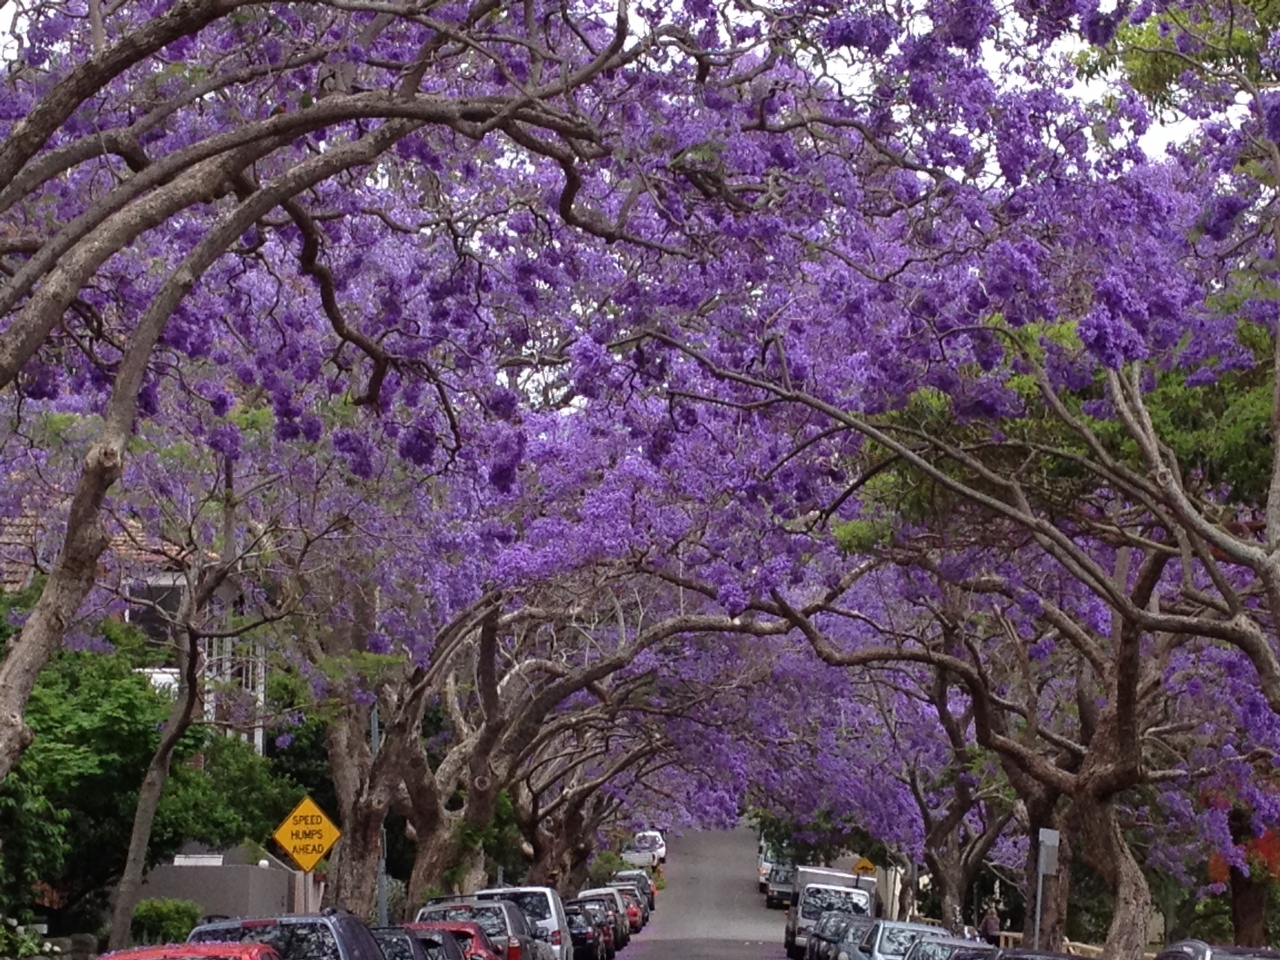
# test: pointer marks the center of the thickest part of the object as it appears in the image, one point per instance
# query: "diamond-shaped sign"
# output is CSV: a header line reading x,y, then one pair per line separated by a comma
x,y
307,834
864,866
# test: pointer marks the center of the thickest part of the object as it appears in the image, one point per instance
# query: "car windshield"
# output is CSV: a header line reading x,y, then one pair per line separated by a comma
x,y
293,941
395,946
818,900
579,921
534,905
491,919
895,942
782,874
646,841
857,929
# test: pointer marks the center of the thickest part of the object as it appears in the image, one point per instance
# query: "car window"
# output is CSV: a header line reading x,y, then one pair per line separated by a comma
x,y
535,906
895,941
293,941
857,929
395,946
579,921
818,900
491,919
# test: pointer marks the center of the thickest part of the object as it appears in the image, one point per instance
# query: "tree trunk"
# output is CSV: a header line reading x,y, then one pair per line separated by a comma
x,y
69,582
427,877
1104,848
1249,893
353,874
149,794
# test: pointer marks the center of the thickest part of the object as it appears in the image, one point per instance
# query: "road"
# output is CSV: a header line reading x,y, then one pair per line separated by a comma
x,y
711,909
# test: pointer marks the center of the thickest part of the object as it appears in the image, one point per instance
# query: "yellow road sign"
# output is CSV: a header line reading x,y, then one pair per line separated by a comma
x,y
307,834
864,866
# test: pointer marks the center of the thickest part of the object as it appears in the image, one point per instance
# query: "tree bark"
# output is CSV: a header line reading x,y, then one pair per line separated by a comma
x,y
1104,849
1249,892
149,794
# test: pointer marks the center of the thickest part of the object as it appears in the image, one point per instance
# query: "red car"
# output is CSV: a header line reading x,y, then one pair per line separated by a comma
x,y
635,915
471,936
198,951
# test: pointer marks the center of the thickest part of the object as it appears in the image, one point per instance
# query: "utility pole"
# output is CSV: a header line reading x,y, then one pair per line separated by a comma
x,y
374,741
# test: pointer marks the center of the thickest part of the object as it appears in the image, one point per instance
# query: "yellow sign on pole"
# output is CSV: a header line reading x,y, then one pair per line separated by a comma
x,y
307,834
864,866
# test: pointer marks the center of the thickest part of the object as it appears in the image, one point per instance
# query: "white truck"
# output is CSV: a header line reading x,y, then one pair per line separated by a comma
x,y
817,890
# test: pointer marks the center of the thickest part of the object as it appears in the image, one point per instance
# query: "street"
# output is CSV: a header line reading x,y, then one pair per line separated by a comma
x,y
711,909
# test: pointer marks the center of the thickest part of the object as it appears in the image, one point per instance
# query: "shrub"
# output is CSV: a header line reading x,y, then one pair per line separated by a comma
x,y
164,921
604,866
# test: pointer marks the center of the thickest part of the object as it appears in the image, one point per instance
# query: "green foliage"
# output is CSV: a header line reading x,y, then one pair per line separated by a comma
x,y
18,942
66,811
603,866
825,838
163,920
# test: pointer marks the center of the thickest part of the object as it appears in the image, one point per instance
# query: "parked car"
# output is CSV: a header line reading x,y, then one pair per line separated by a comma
x,y
401,943
982,951
891,939
811,900
471,937
947,948
198,951
641,891
614,905
585,933
330,936
544,910
646,883
767,858
603,918
824,938
1199,950
508,930
850,945
653,841
613,896
635,911
779,885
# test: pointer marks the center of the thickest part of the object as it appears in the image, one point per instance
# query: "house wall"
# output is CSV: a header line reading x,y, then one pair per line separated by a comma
x,y
233,890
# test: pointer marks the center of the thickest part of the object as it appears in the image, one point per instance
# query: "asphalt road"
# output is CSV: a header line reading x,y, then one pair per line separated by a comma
x,y
711,909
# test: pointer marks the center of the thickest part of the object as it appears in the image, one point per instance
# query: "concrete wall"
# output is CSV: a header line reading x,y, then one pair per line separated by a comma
x,y
234,890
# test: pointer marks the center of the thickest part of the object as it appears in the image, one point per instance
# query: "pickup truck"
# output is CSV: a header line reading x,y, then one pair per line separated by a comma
x,y
817,890
779,885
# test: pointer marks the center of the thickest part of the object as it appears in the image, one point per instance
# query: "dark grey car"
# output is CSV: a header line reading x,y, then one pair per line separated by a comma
x,y
329,936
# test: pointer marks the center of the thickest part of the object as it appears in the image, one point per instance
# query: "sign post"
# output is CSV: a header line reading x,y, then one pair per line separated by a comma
x,y
307,835
1046,865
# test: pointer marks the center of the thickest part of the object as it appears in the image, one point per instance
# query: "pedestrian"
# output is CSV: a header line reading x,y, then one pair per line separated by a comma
x,y
990,927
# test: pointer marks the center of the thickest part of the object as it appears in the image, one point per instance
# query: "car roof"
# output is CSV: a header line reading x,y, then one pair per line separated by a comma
x,y
495,890
1199,948
166,951
961,942
598,892
908,925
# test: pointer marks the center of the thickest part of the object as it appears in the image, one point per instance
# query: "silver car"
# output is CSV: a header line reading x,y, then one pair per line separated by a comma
x,y
891,939
544,910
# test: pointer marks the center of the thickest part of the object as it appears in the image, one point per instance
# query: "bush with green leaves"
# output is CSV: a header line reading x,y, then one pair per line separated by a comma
x,y
603,866
162,920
